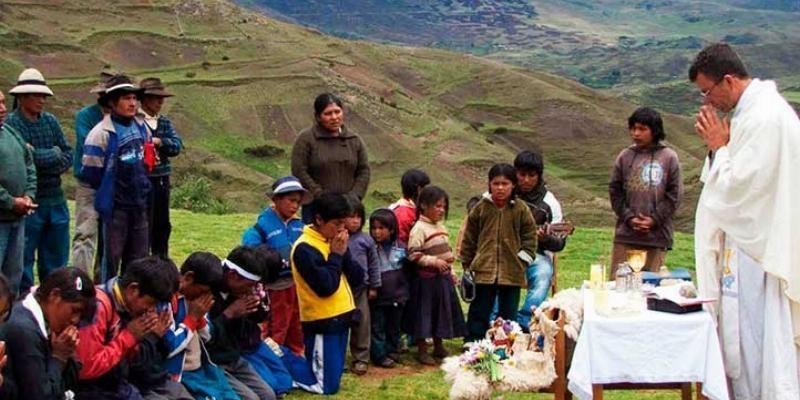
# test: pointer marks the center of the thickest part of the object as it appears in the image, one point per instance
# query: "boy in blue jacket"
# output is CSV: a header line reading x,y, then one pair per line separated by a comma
x,y
278,227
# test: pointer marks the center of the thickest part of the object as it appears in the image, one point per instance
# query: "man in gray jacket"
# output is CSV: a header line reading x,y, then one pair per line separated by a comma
x,y
17,191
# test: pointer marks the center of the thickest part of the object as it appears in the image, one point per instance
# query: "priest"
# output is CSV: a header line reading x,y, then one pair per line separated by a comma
x,y
747,228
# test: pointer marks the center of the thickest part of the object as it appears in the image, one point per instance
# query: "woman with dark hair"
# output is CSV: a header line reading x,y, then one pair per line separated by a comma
x,y
42,335
328,157
645,191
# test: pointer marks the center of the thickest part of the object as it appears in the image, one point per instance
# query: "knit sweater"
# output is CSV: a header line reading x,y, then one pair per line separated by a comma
x,y
17,172
336,164
51,153
427,243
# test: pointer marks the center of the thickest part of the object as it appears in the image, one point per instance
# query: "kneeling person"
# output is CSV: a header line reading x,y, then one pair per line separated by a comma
x,y
123,326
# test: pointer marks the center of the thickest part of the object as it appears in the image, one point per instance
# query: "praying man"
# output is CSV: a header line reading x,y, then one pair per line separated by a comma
x,y
747,228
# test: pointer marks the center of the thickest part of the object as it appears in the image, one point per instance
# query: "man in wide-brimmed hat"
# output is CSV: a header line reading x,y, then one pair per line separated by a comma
x,y
17,191
121,183
168,144
84,241
46,230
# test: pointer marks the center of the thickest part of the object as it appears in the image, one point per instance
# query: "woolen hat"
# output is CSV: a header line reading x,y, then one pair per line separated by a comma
x,y
154,87
31,81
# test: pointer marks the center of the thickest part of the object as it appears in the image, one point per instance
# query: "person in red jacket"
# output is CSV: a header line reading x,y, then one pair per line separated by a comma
x,y
405,209
125,317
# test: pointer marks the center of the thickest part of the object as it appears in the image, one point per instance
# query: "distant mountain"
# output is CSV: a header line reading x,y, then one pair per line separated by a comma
x,y
639,49
245,84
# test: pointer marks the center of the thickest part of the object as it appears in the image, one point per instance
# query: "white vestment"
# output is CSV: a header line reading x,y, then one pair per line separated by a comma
x,y
748,216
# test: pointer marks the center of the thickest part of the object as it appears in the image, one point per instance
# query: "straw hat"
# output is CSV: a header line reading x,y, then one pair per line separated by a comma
x,y
154,87
31,81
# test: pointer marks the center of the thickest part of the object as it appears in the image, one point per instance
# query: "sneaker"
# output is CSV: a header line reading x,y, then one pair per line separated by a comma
x,y
387,362
360,368
426,359
395,357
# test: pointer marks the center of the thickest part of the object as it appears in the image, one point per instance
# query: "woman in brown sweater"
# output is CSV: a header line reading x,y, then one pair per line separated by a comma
x,y
328,157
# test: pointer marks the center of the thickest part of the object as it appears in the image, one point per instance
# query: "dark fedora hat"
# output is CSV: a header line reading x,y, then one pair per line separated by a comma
x,y
154,87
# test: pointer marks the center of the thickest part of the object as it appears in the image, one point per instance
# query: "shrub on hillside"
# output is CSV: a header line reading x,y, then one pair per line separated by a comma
x,y
193,193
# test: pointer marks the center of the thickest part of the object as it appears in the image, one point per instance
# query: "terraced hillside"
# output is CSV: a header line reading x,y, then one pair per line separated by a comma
x,y
245,84
640,49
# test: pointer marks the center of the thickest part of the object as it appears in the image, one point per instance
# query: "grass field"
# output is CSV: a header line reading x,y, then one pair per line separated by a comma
x,y
219,234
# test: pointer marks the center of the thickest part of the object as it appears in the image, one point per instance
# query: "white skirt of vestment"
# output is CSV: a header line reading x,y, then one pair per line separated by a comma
x,y
761,358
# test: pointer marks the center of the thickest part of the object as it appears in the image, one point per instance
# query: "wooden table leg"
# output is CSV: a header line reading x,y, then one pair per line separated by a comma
x,y
597,391
686,391
700,391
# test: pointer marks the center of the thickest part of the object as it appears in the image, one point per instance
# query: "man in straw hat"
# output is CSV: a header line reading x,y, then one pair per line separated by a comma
x,y
168,144
114,164
17,191
47,230
84,241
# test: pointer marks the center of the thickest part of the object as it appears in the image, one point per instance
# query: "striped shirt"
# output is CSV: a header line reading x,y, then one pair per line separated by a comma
x,y
427,243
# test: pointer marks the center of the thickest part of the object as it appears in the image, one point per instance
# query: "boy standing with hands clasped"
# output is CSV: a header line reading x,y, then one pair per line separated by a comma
x,y
278,227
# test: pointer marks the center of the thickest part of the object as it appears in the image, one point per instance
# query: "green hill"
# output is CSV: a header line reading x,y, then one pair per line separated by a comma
x,y
640,49
245,84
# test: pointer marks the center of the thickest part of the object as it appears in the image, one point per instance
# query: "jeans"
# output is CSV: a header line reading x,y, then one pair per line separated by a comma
x,y
46,242
386,320
539,275
12,246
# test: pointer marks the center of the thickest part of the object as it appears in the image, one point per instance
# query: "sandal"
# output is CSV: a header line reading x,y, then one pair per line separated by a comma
x,y
387,362
360,368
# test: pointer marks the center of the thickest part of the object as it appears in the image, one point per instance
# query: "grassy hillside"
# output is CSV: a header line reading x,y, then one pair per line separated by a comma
x,y
245,84
641,49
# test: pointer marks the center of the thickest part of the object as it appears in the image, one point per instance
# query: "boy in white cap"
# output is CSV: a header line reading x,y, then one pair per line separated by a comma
x,y
278,227
46,230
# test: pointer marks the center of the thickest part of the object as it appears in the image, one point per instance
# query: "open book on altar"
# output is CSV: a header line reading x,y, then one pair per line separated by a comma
x,y
676,299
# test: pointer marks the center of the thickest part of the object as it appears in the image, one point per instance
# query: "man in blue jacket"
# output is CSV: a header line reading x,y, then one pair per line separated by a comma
x,y
114,164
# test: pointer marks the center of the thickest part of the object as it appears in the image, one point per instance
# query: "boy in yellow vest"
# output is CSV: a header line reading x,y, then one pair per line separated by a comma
x,y
325,277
